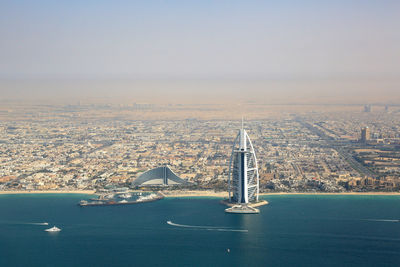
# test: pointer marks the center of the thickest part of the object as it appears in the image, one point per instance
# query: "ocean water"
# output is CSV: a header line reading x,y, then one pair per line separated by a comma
x,y
294,230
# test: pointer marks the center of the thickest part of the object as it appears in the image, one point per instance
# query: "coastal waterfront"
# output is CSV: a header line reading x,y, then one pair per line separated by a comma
x,y
199,193
12,192
313,230
294,152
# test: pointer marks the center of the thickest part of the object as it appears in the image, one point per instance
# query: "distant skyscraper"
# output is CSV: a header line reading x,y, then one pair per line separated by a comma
x,y
386,108
365,134
243,171
367,108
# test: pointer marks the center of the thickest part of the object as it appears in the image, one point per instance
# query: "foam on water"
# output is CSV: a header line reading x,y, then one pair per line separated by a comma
x,y
208,228
381,220
24,223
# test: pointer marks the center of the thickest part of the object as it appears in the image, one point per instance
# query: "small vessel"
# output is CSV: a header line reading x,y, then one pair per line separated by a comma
x,y
126,195
53,229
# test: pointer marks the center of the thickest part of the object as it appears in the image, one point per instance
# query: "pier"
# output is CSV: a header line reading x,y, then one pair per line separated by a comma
x,y
102,201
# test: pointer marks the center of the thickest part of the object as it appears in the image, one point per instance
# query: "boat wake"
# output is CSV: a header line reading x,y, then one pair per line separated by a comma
x,y
42,223
381,220
23,223
208,228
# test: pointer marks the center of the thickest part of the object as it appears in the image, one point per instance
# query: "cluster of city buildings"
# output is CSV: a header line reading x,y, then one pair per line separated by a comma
x,y
306,152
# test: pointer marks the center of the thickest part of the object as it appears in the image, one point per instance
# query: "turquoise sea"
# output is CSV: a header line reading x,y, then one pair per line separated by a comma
x,y
294,230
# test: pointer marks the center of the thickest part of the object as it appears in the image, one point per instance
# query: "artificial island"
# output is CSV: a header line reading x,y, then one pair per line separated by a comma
x,y
244,185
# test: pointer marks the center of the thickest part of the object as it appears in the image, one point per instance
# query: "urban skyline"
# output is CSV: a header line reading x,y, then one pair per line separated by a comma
x,y
92,147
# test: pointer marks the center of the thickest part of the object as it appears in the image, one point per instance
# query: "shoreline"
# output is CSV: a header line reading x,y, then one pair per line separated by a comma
x,y
199,193
172,194
339,193
17,192
196,193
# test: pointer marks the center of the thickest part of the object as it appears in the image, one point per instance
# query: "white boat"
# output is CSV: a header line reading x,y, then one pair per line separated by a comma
x,y
53,229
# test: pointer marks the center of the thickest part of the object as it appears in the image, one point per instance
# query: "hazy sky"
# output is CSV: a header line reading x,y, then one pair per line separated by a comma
x,y
200,39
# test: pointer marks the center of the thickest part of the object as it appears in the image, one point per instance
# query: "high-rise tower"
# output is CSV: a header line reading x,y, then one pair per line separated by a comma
x,y
365,135
243,171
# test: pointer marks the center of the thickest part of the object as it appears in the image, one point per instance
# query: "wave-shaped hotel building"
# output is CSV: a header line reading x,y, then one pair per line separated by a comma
x,y
160,176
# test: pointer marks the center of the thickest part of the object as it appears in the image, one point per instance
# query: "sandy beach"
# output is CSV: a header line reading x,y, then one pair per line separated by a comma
x,y
89,192
341,193
198,193
194,193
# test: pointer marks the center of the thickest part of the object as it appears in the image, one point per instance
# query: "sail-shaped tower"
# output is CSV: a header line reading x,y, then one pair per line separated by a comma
x,y
243,180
